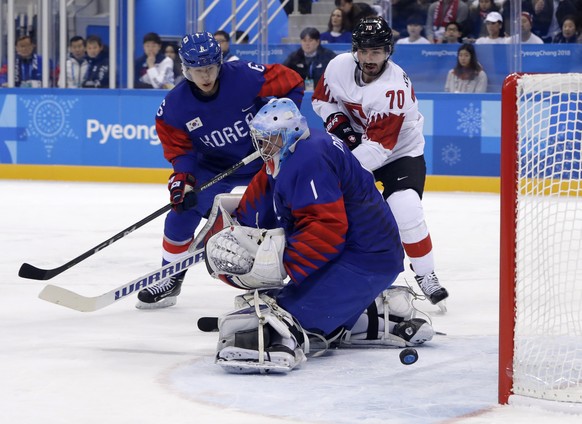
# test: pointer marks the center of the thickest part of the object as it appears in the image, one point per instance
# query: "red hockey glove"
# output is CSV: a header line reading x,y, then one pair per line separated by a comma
x,y
182,197
338,124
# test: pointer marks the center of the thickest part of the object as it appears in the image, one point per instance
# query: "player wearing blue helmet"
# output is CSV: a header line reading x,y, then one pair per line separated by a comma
x,y
275,131
203,126
201,59
334,236
153,69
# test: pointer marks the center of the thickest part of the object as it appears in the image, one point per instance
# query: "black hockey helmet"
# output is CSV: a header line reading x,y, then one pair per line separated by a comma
x,y
372,32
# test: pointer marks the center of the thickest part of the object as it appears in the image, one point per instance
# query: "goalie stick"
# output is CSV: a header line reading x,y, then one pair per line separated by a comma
x,y
30,271
69,299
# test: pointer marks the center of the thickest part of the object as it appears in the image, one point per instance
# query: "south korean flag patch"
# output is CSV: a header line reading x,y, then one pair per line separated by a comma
x,y
194,124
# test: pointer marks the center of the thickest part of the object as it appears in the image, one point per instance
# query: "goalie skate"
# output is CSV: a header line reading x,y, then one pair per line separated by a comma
x,y
161,295
277,359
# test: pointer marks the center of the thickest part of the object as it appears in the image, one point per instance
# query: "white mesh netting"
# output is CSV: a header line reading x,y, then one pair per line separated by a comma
x,y
548,327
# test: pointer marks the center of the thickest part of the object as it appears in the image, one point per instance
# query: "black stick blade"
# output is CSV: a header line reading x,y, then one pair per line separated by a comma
x,y
34,273
208,324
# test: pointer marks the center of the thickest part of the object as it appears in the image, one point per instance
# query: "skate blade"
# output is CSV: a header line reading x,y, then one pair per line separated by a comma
x,y
442,305
247,367
164,303
246,361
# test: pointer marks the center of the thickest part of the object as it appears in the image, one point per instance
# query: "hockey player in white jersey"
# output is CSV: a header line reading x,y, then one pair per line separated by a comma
x,y
368,101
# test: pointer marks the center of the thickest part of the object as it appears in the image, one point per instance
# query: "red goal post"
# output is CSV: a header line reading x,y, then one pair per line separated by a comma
x,y
540,329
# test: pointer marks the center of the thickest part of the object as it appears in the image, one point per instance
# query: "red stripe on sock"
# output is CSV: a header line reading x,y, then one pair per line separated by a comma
x,y
418,249
173,249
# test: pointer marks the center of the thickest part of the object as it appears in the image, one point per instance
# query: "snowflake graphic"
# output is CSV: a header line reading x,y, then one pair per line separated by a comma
x,y
48,118
451,154
469,120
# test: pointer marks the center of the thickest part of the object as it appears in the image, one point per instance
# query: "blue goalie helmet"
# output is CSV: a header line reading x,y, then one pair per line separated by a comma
x,y
200,49
275,130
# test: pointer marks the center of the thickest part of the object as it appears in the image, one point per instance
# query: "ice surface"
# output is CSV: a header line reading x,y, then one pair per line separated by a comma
x,y
123,365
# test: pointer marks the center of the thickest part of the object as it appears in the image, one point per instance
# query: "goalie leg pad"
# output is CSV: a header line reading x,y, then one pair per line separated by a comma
x,y
247,258
401,329
259,339
415,331
248,298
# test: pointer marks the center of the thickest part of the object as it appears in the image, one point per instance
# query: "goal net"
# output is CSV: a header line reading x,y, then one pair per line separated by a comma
x,y
541,238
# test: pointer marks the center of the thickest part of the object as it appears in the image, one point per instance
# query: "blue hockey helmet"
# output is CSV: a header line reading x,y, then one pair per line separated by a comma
x,y
275,130
200,49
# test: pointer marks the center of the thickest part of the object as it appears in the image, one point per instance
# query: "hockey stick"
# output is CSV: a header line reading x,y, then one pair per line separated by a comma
x,y
34,273
72,300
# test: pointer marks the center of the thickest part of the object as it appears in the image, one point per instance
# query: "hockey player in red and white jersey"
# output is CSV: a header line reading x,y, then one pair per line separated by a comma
x,y
368,101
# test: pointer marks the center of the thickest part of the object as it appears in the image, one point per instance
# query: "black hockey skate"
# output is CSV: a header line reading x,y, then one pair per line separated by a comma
x,y
432,289
161,295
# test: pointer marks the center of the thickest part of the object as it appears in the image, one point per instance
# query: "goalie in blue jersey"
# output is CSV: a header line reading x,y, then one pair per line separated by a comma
x,y
312,214
203,125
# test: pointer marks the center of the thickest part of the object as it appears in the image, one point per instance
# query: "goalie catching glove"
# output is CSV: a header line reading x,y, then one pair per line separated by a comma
x,y
182,196
247,258
338,124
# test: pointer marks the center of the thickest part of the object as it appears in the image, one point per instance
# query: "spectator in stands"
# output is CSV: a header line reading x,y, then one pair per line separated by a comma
x,y
98,70
528,37
353,12
468,75
153,69
494,22
414,26
452,33
27,65
336,29
569,33
223,39
476,26
76,66
171,51
547,16
401,11
311,59
440,13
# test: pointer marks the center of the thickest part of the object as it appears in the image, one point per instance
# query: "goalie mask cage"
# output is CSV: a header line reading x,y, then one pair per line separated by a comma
x,y
540,330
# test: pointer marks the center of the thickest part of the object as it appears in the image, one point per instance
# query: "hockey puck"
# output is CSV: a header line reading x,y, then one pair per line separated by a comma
x,y
208,324
408,356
